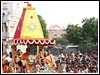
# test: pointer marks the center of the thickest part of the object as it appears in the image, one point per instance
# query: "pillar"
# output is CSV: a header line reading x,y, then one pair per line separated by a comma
x,y
13,47
37,49
42,51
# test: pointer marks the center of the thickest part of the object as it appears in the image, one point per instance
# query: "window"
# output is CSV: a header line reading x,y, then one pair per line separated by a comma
x,y
3,13
17,3
4,27
50,30
11,26
55,34
4,3
5,8
64,30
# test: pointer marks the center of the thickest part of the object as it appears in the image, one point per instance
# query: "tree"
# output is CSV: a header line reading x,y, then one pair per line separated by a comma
x,y
90,30
61,41
43,25
74,34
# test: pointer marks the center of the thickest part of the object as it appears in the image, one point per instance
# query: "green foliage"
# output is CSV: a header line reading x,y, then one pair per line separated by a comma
x,y
43,25
61,41
90,29
87,34
74,34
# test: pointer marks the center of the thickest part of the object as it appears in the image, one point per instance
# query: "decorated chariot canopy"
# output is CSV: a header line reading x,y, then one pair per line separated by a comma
x,y
30,41
29,30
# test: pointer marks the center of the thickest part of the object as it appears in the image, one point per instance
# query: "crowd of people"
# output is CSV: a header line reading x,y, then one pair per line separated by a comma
x,y
78,63
27,62
65,63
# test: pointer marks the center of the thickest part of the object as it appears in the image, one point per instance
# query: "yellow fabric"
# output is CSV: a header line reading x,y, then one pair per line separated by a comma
x,y
50,60
50,57
31,26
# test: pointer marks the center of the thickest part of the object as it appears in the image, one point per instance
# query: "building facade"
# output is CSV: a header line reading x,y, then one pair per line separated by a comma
x,y
55,31
11,12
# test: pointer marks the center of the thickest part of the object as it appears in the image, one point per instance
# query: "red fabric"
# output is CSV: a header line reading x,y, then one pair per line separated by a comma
x,y
19,26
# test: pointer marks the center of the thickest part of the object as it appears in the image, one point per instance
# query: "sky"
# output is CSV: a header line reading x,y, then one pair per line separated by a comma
x,y
63,13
